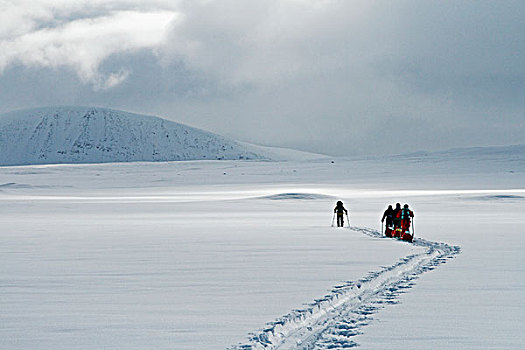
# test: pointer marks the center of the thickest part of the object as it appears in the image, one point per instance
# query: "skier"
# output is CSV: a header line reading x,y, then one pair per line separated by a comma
x,y
389,216
397,220
396,216
340,209
406,215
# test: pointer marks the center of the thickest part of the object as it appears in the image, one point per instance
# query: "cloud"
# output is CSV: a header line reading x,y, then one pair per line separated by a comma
x,y
358,76
264,42
50,38
335,76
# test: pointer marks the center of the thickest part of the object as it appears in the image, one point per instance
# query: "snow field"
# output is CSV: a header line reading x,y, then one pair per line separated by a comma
x,y
207,255
136,274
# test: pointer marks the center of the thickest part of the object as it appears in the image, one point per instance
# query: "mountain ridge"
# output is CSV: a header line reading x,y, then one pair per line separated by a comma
x,y
78,134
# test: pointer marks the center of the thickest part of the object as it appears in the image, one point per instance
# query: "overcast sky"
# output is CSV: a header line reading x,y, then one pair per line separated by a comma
x,y
342,77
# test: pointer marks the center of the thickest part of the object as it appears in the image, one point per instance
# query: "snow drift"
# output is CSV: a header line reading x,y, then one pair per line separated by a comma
x,y
97,135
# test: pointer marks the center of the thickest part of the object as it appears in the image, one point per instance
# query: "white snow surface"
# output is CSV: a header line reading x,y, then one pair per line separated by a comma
x,y
241,255
95,135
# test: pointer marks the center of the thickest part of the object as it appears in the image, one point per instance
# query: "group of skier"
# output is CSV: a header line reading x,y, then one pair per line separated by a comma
x,y
398,220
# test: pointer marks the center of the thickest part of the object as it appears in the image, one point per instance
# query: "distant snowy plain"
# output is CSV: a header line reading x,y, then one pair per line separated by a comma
x,y
201,254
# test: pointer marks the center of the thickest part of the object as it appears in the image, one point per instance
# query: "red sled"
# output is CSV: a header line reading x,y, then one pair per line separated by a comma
x,y
389,232
396,233
406,236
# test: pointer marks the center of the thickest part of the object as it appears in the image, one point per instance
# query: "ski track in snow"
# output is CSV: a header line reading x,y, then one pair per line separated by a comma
x,y
332,321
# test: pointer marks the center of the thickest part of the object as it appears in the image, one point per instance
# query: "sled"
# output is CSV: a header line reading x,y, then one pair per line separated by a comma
x,y
406,236
396,233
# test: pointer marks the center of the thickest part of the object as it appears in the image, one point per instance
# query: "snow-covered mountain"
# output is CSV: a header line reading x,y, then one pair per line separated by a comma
x,y
93,135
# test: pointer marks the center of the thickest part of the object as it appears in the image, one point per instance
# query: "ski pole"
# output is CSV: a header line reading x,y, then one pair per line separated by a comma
x,y
333,218
382,228
347,219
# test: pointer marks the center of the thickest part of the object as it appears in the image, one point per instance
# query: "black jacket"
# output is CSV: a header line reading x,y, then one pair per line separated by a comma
x,y
388,215
340,209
